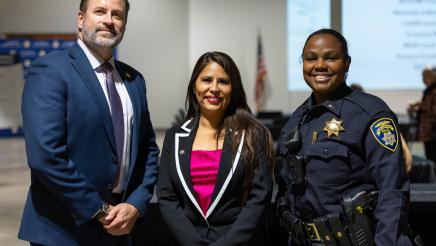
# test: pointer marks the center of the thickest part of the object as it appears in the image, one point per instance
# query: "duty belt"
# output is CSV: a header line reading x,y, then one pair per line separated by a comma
x,y
352,226
328,230
311,231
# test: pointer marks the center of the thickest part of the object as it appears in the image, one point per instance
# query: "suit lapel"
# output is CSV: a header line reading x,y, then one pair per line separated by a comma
x,y
85,71
224,167
136,104
225,172
182,154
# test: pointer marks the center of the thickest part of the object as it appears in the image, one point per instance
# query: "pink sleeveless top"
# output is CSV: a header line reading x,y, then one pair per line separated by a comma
x,y
204,170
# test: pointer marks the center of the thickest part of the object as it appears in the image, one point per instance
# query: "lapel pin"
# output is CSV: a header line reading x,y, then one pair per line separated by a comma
x,y
128,76
181,152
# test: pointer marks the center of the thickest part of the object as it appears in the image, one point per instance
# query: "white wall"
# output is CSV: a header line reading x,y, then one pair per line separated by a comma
x,y
156,44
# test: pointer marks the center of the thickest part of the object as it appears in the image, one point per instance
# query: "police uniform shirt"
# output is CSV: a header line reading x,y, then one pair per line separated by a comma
x,y
351,143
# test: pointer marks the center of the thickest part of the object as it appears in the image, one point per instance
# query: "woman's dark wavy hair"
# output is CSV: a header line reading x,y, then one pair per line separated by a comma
x,y
237,116
335,34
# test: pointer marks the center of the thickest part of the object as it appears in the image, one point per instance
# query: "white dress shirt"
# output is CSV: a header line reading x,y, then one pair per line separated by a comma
x,y
127,110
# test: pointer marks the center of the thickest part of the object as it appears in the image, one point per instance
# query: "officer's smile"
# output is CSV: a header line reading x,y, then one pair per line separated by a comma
x,y
322,78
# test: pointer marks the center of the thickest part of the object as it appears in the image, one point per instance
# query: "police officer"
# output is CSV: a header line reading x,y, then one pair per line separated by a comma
x,y
341,179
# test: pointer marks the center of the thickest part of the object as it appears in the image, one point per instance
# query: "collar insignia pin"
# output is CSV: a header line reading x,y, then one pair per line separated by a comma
x,y
333,127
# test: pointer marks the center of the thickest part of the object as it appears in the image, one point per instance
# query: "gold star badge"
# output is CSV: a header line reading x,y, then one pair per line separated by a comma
x,y
333,127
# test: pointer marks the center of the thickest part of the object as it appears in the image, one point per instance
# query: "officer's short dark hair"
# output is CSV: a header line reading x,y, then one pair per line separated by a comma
x,y
84,5
335,34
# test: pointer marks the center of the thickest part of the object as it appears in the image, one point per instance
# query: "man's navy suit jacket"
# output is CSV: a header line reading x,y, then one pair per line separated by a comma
x,y
71,150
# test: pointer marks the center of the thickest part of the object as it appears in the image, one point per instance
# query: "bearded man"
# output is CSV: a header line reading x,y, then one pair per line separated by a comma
x,y
89,140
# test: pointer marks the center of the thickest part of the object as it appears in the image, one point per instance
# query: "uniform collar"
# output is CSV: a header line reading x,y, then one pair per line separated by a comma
x,y
334,103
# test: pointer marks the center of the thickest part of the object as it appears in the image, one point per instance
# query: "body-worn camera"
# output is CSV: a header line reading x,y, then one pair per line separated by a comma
x,y
296,162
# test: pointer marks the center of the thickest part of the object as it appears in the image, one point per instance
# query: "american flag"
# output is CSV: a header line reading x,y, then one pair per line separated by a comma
x,y
260,76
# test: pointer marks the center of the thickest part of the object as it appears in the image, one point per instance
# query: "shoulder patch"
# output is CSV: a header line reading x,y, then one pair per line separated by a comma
x,y
385,132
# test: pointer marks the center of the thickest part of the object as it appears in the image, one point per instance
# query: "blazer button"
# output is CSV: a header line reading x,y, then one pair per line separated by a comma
x,y
110,186
114,159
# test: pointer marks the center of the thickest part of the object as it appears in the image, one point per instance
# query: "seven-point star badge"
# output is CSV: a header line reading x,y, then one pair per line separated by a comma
x,y
333,127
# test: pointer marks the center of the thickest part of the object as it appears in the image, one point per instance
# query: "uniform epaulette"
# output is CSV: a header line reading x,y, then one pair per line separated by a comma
x,y
369,103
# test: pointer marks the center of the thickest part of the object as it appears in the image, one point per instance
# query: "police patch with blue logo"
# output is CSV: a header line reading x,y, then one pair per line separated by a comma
x,y
385,133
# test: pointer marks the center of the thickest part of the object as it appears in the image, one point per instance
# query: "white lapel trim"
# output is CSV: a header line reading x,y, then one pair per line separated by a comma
x,y
179,171
229,177
185,124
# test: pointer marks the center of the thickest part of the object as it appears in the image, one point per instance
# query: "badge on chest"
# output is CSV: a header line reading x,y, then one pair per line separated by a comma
x,y
333,127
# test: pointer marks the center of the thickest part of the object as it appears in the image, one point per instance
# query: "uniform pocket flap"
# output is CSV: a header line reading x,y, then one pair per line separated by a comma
x,y
326,150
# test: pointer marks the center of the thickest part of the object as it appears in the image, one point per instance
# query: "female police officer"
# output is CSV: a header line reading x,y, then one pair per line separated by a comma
x,y
342,179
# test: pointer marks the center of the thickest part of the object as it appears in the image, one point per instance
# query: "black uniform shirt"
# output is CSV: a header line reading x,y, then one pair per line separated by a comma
x,y
351,144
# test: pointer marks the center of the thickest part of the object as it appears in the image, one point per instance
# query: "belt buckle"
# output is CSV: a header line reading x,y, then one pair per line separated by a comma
x,y
312,232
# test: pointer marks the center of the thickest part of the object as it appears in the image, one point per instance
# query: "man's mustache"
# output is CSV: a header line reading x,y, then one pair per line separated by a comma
x,y
108,29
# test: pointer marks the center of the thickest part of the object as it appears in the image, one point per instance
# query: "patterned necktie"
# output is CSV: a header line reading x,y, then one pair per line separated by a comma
x,y
116,110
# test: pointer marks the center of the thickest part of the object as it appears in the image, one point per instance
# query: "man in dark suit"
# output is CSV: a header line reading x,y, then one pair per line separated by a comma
x,y
90,143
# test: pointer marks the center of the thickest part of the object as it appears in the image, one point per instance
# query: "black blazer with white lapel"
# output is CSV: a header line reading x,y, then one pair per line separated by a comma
x,y
226,222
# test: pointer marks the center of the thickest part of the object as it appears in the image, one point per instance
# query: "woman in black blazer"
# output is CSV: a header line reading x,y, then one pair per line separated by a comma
x,y
220,198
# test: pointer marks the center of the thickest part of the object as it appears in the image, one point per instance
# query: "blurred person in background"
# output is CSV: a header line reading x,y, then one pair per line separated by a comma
x,y
425,113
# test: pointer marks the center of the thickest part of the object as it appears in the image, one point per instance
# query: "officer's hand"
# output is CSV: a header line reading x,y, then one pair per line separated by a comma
x,y
122,219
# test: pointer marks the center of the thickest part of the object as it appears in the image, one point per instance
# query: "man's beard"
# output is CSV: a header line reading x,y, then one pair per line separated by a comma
x,y
92,38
